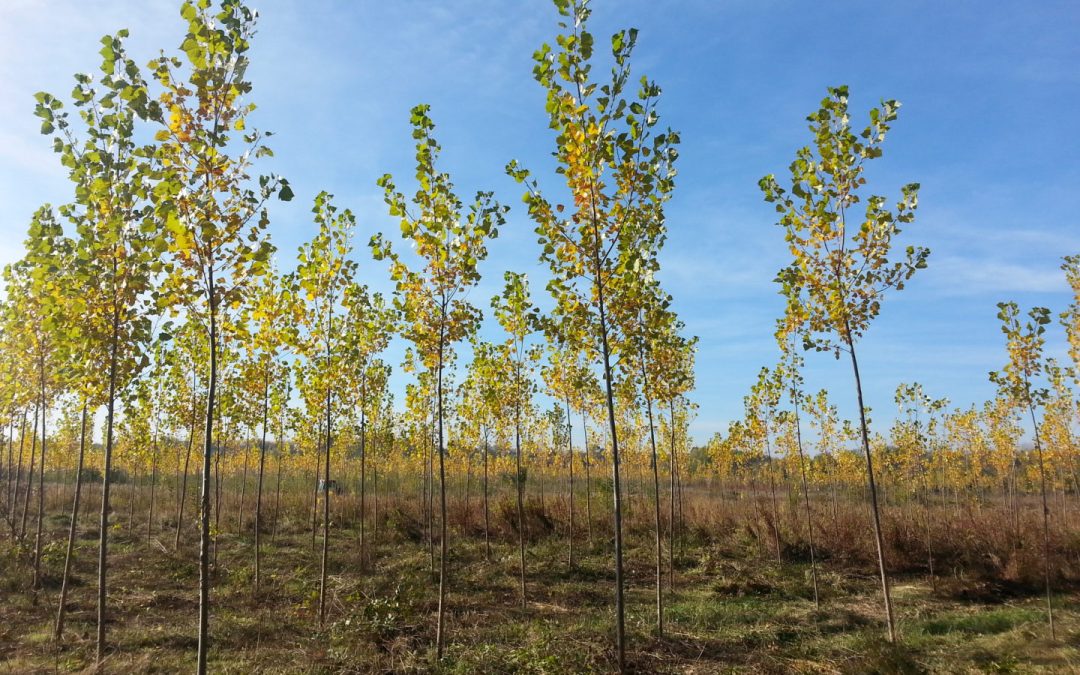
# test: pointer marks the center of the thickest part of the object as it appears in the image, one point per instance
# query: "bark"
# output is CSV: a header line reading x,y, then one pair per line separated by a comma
x,y
187,463
204,495
106,484
262,469
72,529
878,539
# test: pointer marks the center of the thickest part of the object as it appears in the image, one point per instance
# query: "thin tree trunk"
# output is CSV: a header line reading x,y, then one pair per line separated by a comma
x,y
656,500
243,494
72,529
363,469
487,538
772,498
277,491
1045,519
326,482
132,491
153,486
588,476
204,496
806,500
106,484
439,631
187,463
616,483
520,482
36,585
315,495
13,494
878,539
30,473
262,469
671,513
570,450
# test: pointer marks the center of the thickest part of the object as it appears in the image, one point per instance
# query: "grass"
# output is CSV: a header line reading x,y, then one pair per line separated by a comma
x,y
728,613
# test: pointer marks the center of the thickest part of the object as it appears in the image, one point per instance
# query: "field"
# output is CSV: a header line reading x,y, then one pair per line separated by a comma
x,y
733,609
248,426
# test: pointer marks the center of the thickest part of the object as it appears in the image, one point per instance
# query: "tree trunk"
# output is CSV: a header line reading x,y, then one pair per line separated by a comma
x,y
1045,518
520,483
671,501
153,486
487,538
262,469
806,501
243,494
41,488
656,500
326,482
106,484
30,473
277,494
187,463
620,614
570,451
878,539
363,469
13,494
204,494
315,494
439,631
72,529
588,475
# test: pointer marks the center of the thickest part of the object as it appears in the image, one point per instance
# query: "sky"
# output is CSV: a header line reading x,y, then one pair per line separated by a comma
x,y
990,94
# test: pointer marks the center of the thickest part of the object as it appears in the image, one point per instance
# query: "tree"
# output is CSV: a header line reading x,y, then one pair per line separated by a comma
x,y
431,297
214,220
520,319
369,325
37,284
273,311
619,173
323,274
118,247
839,275
1016,382
789,374
1070,318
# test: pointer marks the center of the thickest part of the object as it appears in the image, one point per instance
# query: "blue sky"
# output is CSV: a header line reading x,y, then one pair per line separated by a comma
x,y
990,94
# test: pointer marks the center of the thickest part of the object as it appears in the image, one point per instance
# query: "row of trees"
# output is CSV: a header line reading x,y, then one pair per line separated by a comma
x,y
155,295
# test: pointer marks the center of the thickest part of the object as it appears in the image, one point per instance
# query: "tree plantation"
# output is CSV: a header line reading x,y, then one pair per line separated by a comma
x,y
213,458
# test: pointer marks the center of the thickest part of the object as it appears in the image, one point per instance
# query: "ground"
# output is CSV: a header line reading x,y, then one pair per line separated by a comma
x,y
725,614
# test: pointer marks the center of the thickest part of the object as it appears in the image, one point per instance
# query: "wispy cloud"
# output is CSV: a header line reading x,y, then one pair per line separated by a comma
x,y
976,276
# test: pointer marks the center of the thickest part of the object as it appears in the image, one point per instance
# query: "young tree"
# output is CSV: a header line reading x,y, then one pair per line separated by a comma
x,y
789,373
619,173
323,274
119,246
520,319
369,325
432,297
273,315
1024,342
37,282
215,222
839,274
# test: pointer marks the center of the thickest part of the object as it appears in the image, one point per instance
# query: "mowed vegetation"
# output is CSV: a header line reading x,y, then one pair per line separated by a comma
x,y
254,499
731,609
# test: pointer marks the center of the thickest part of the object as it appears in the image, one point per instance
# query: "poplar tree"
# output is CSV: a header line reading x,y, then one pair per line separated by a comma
x,y
432,295
214,218
840,271
619,171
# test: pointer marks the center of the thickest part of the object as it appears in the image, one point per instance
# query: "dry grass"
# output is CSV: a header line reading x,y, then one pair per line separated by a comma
x,y
732,610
